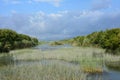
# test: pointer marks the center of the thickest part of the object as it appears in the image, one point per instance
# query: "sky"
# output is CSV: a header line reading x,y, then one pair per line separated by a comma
x,y
59,19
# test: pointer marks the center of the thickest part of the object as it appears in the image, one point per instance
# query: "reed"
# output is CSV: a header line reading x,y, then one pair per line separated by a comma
x,y
62,64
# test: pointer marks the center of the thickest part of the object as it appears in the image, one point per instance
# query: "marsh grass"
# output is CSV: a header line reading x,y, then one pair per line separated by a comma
x,y
88,58
6,59
62,64
112,61
42,71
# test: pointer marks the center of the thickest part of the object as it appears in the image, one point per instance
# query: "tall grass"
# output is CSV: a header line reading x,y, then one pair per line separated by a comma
x,y
6,59
61,64
84,56
112,61
42,71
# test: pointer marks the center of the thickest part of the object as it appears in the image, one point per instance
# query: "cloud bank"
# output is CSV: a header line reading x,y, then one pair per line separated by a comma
x,y
101,4
56,3
60,25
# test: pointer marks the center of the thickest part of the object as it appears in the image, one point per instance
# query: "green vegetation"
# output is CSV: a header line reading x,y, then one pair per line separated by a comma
x,y
109,40
73,63
10,40
41,71
6,59
42,42
60,64
83,57
113,65
56,43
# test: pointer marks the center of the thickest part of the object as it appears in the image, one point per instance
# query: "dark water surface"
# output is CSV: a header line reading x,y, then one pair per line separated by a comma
x,y
113,75
109,75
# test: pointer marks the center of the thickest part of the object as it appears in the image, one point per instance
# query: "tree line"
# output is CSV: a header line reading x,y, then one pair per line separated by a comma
x,y
10,40
108,40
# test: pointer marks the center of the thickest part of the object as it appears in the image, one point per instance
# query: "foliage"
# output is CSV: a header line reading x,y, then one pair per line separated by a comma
x,y
109,40
10,39
56,43
112,40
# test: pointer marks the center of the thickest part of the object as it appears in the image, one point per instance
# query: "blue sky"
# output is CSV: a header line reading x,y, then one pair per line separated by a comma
x,y
59,19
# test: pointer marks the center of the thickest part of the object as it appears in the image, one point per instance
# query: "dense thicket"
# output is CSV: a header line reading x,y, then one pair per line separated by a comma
x,y
10,40
109,40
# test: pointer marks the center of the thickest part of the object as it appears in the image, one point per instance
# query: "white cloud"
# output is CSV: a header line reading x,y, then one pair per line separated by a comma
x,y
13,11
101,4
12,1
29,1
54,2
55,16
63,24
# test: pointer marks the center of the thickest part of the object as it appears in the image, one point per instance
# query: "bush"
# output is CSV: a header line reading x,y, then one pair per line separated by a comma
x,y
10,40
109,40
56,43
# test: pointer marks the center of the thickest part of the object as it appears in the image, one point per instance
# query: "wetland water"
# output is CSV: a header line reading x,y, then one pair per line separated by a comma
x,y
49,47
110,74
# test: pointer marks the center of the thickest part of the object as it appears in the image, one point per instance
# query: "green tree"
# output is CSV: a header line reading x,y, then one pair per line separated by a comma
x,y
10,39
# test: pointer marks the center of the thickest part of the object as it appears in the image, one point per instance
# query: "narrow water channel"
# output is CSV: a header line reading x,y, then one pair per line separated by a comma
x,y
49,47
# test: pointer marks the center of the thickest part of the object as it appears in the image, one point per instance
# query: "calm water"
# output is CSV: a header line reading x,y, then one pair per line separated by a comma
x,y
49,47
109,75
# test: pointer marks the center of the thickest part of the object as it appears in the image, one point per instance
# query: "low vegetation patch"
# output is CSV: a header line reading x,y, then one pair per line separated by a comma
x,y
113,65
93,70
6,59
56,43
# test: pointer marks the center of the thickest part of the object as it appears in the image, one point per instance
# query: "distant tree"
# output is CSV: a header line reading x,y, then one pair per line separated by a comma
x,y
7,38
10,39
109,40
112,40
